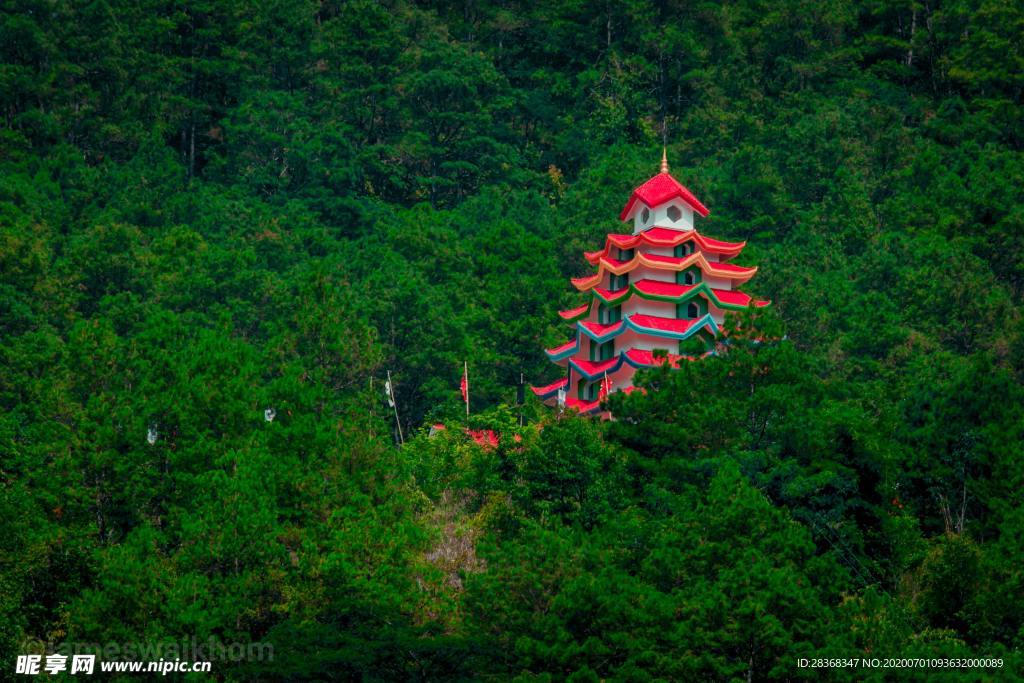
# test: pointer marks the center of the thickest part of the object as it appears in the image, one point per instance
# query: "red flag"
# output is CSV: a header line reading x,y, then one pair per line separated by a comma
x,y
606,387
464,386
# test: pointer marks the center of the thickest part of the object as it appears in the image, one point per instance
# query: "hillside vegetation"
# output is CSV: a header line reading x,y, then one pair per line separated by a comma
x,y
209,209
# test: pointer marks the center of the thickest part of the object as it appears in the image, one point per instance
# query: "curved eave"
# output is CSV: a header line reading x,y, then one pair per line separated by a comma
x,y
549,390
665,237
640,361
583,407
574,314
649,325
637,358
665,291
613,297
586,282
737,274
592,370
601,333
640,358
560,353
652,326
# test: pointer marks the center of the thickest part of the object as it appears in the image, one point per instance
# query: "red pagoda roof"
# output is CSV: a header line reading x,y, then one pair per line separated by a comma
x,y
675,263
573,313
645,357
665,291
581,283
660,189
596,367
656,322
600,329
659,288
582,406
731,268
549,389
731,296
558,350
670,290
665,237
609,294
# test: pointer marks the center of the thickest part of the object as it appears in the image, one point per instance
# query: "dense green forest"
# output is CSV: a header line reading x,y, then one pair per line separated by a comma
x,y
212,208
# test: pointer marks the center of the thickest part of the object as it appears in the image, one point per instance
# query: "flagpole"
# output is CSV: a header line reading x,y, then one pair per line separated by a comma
x,y
465,373
394,404
520,398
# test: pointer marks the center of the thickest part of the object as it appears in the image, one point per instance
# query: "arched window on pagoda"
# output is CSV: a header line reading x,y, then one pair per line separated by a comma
x,y
691,310
688,277
684,249
618,282
626,254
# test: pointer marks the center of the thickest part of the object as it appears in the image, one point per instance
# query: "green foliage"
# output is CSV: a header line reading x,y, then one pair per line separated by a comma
x,y
211,209
715,585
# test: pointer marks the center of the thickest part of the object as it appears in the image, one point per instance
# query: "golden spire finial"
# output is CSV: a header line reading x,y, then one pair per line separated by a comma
x,y
664,160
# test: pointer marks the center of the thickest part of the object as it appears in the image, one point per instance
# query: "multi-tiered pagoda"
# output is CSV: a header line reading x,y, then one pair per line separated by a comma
x,y
663,287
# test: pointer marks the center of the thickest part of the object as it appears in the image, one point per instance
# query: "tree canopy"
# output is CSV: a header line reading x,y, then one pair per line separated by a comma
x,y
223,224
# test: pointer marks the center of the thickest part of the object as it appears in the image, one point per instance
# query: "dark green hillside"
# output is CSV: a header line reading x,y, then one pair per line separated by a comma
x,y
208,209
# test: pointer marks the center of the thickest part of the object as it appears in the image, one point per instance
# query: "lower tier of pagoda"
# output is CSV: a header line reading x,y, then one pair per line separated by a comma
x,y
613,374
639,331
549,395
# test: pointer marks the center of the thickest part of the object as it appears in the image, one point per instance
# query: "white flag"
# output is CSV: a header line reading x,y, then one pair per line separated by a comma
x,y
561,397
389,394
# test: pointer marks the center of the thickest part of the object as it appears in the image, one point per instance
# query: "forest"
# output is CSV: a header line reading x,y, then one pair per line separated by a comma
x,y
224,224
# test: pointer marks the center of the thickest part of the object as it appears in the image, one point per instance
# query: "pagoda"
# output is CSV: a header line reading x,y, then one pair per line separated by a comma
x,y
664,286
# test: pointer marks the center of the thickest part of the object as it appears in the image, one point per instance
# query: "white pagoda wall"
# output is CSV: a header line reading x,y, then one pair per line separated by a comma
x,y
670,251
660,251
659,216
715,282
651,274
663,309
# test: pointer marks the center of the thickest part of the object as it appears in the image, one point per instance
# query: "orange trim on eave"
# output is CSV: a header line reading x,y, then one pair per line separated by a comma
x,y
726,249
739,274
